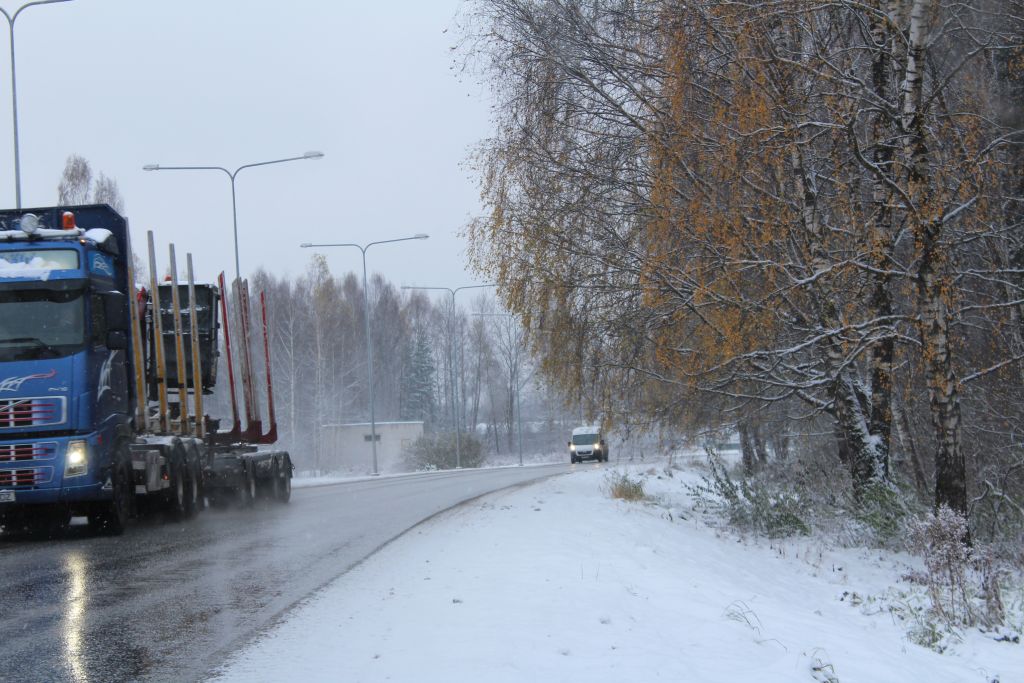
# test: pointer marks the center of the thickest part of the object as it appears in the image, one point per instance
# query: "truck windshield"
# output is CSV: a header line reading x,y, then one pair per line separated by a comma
x,y
41,323
584,439
31,262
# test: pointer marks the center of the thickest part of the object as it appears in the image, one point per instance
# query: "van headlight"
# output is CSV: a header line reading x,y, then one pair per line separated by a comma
x,y
572,447
76,459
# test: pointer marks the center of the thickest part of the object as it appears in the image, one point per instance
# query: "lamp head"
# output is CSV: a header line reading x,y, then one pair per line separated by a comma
x,y
420,236
313,155
151,167
306,244
30,224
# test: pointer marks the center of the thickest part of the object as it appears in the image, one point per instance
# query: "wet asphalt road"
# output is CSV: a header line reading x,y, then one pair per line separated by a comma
x,y
168,601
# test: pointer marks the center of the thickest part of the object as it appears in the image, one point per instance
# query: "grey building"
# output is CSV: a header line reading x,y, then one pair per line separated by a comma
x,y
350,450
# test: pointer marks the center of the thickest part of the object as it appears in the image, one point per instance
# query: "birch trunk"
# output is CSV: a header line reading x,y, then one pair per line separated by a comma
x,y
746,448
943,395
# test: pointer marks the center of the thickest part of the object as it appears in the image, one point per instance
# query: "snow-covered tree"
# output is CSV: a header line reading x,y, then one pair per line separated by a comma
x,y
418,381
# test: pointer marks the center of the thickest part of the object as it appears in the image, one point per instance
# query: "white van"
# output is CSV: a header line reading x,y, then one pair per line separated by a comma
x,y
587,444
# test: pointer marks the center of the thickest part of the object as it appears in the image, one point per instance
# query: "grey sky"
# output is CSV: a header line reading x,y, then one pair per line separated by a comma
x,y
229,82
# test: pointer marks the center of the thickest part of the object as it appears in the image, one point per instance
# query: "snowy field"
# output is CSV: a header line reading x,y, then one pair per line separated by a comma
x,y
557,581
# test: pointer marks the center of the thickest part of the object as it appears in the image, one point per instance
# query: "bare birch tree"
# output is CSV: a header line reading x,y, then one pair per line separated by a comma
x,y
75,181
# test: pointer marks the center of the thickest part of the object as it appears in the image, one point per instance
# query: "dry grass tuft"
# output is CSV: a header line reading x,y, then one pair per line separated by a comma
x,y
622,487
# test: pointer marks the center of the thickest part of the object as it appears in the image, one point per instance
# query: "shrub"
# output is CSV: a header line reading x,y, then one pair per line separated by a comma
x,y
437,451
882,510
940,540
750,504
963,582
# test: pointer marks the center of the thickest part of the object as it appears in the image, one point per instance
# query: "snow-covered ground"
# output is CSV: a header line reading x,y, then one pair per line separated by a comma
x,y
557,581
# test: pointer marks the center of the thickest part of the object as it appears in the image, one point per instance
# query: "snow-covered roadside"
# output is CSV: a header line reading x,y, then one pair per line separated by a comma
x,y
557,581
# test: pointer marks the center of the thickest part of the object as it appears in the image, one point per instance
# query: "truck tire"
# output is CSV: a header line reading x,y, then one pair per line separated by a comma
x,y
177,495
284,487
111,517
272,488
193,502
247,490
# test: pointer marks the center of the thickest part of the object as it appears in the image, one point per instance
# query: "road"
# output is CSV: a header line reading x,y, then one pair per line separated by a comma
x,y
168,601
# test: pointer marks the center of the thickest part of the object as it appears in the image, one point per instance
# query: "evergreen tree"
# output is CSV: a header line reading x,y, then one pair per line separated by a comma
x,y
418,381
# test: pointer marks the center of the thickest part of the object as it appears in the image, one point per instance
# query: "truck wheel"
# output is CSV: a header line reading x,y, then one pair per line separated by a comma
x,y
112,516
177,495
247,491
251,482
272,489
284,487
192,500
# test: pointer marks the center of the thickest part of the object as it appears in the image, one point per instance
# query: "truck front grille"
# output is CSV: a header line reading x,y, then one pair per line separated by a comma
x,y
22,452
26,476
32,412
21,463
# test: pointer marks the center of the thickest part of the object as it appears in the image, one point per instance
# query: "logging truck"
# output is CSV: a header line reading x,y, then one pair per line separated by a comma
x,y
103,378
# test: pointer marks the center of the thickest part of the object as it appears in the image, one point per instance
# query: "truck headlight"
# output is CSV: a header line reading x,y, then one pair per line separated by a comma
x,y
597,446
572,447
76,459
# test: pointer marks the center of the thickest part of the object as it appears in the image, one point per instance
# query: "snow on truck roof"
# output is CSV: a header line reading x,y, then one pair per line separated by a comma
x,y
592,429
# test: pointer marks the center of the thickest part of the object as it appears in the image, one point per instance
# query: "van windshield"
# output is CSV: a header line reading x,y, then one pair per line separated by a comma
x,y
584,439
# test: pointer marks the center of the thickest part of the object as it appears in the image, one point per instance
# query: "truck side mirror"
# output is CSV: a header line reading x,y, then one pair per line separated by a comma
x,y
570,443
117,340
115,310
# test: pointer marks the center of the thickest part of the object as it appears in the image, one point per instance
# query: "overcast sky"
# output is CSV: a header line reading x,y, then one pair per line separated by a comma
x,y
125,83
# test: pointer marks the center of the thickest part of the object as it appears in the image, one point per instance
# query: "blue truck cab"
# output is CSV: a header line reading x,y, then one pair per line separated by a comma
x,y
66,399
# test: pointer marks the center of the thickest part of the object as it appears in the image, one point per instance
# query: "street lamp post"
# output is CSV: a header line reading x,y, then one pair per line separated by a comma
x,y
231,175
11,18
369,340
451,365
